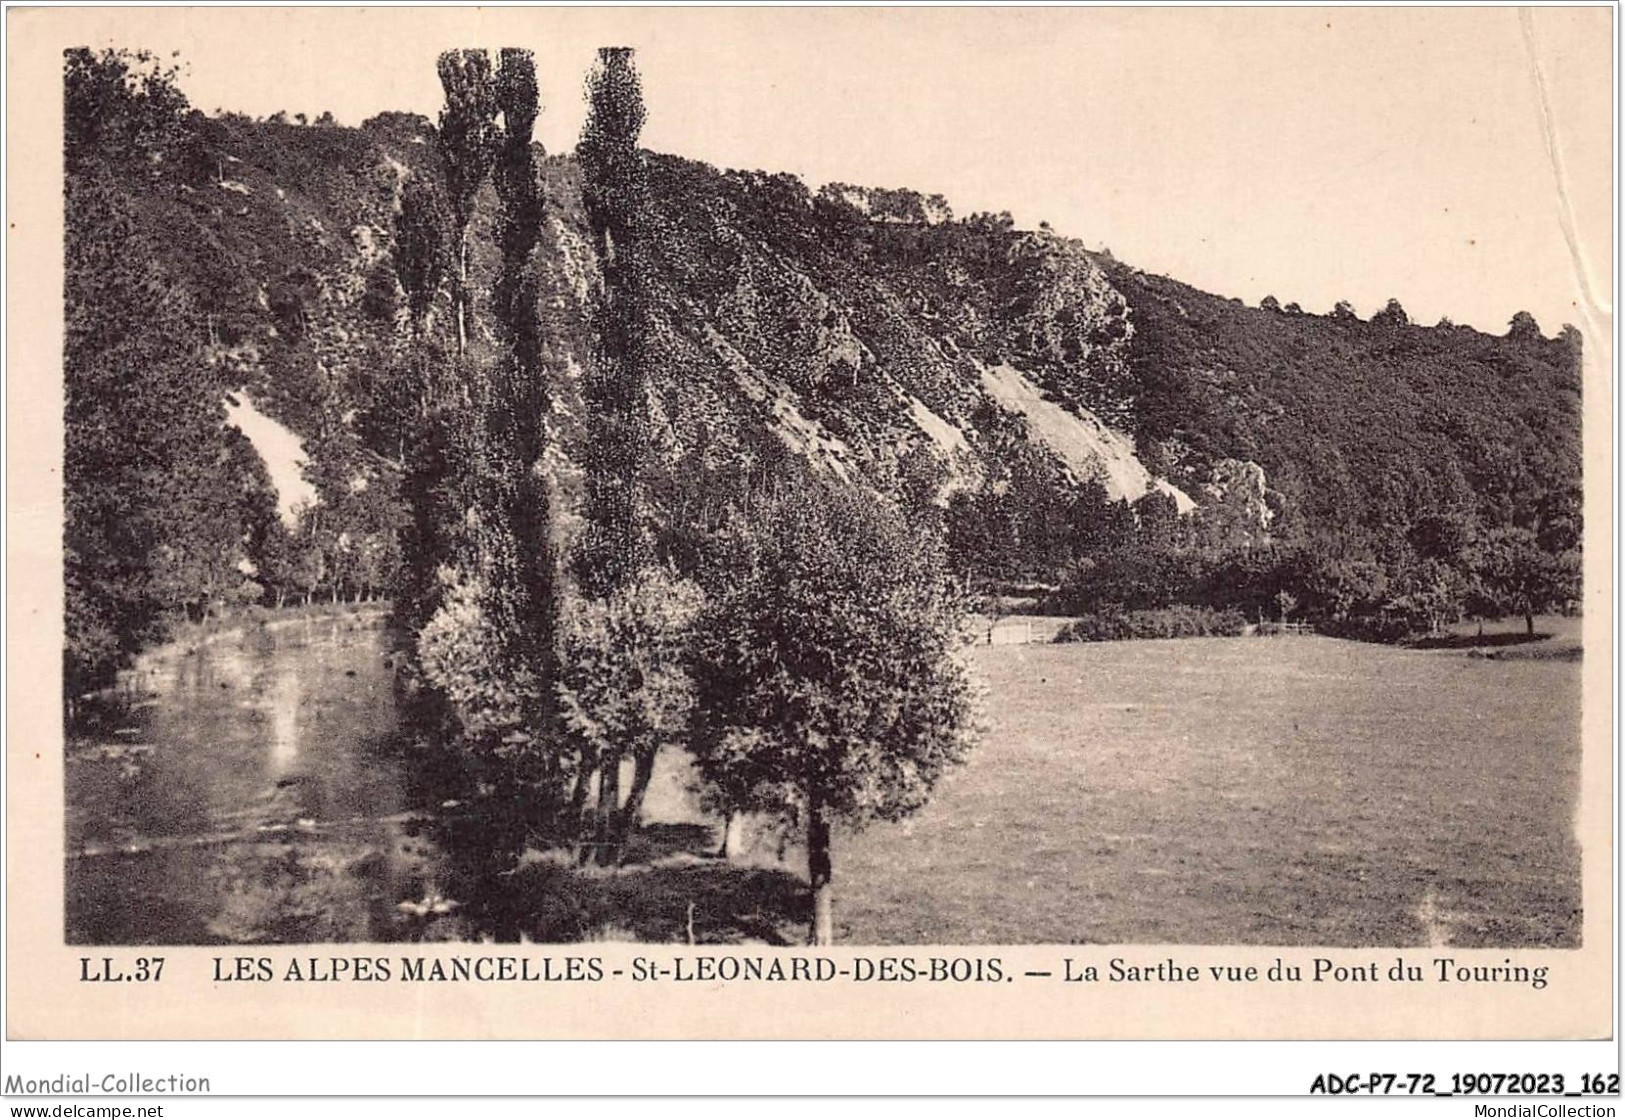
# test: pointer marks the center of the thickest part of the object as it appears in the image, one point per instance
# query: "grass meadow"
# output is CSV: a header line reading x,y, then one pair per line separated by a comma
x,y
1226,791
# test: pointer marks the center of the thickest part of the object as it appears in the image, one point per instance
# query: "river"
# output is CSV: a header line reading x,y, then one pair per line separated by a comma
x,y
251,788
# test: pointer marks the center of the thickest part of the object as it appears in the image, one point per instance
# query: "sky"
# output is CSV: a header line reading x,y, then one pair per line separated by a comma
x,y
1315,155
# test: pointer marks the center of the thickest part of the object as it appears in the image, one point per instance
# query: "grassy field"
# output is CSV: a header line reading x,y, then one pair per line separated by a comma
x,y
1289,791
1556,637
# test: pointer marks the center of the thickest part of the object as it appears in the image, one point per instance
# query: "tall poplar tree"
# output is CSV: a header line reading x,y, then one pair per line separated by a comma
x,y
615,544
516,547
468,144
614,193
428,480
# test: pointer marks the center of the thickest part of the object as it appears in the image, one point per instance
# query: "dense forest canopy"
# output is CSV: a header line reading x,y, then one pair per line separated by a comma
x,y
1382,475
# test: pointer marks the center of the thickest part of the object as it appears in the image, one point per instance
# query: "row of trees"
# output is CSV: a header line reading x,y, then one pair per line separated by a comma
x,y
1108,556
1341,589
800,645
1423,564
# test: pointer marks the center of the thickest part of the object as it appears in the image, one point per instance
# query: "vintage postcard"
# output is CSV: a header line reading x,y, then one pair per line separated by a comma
x,y
771,523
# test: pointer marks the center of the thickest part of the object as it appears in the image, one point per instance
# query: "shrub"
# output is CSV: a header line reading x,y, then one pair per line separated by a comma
x,y
459,652
1387,628
1173,622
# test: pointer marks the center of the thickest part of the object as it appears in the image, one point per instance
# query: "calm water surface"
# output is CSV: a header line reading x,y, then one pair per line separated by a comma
x,y
253,789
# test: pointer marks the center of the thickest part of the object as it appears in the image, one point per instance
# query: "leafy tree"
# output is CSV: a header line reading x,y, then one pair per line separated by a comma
x,y
444,471
616,542
916,477
460,652
1520,577
420,247
1136,577
829,684
424,409
277,559
1286,602
980,533
1160,525
1446,535
1097,524
1340,588
516,402
624,686
1523,328
480,546
1391,315
1429,592
157,508
124,107
1572,341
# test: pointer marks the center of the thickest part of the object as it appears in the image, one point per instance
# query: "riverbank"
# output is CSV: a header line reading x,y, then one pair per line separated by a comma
x,y
189,638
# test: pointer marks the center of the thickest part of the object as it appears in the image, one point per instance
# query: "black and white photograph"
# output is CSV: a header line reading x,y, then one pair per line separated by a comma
x,y
812,478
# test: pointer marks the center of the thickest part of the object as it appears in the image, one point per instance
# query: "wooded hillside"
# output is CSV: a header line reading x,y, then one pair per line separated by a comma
x,y
1380,475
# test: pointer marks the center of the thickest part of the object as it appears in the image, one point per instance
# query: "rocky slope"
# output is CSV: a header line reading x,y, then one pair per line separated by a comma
x,y
851,333
854,325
